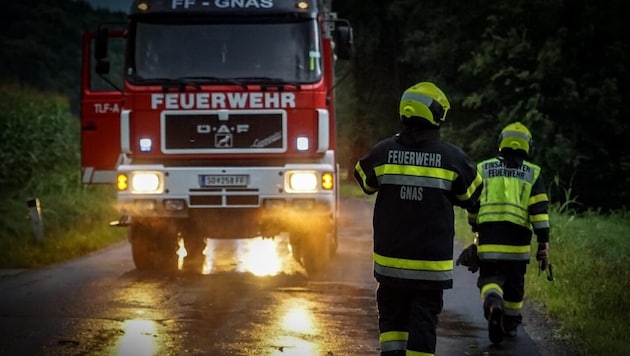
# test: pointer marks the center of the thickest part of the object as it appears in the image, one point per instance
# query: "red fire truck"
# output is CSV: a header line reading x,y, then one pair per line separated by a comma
x,y
216,119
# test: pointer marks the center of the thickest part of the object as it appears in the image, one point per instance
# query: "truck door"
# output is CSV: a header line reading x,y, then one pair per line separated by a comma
x,y
101,109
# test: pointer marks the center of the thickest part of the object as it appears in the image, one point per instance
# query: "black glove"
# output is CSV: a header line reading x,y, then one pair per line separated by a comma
x,y
469,258
543,251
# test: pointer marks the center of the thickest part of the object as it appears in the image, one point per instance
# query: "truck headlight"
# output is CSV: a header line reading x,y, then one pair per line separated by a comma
x,y
301,181
146,182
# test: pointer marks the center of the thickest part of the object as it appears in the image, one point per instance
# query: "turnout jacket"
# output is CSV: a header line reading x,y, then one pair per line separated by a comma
x,y
419,179
512,202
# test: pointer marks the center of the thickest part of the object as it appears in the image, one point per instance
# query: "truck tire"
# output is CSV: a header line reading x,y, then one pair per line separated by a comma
x,y
153,245
312,249
195,258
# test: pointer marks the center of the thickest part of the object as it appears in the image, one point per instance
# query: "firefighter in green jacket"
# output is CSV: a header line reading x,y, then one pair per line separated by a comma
x,y
513,200
419,178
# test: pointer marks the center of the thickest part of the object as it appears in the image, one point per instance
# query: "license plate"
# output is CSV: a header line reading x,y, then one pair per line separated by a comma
x,y
223,180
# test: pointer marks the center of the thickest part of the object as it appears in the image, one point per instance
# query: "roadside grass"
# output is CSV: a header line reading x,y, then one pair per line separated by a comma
x,y
40,158
75,222
590,253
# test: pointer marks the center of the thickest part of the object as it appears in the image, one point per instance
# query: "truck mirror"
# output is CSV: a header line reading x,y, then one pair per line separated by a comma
x,y
100,45
102,66
343,39
100,51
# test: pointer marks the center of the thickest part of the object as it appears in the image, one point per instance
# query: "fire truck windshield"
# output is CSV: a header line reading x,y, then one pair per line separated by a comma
x,y
288,52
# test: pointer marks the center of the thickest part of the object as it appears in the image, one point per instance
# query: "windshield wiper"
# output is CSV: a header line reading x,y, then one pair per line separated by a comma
x,y
216,80
266,82
183,82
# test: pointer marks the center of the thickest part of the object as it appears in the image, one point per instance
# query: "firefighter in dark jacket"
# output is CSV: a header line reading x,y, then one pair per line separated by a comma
x,y
513,200
419,178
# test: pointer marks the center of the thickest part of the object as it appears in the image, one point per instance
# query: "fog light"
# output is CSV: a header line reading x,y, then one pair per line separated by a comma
x,y
174,204
144,204
274,203
304,204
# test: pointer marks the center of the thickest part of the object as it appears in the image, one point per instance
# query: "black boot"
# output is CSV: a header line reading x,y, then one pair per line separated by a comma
x,y
510,324
493,308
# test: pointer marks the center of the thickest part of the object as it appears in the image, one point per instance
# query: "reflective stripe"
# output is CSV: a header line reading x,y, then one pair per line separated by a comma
x,y
417,97
491,288
541,225
393,340
415,181
430,177
394,346
542,197
503,248
516,134
504,256
411,274
359,170
393,336
413,269
418,171
488,216
503,252
425,265
512,308
540,221
471,188
417,353
507,205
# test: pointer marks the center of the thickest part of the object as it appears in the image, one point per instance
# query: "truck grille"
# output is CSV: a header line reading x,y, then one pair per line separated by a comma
x,y
223,131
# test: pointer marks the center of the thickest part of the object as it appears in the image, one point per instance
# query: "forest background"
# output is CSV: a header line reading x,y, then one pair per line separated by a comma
x,y
560,67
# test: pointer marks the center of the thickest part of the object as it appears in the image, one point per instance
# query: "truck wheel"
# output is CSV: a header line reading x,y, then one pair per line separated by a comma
x,y
295,239
194,244
194,253
316,251
153,245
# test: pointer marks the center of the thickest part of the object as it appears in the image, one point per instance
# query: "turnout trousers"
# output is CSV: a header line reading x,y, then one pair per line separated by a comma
x,y
503,282
407,320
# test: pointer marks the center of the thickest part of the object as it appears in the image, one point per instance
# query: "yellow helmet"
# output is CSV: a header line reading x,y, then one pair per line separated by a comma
x,y
424,100
517,137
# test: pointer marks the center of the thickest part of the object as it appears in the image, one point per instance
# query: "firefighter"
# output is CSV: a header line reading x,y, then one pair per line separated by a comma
x,y
513,200
418,178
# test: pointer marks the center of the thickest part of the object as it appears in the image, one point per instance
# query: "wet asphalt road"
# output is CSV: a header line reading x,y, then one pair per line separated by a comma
x,y
252,299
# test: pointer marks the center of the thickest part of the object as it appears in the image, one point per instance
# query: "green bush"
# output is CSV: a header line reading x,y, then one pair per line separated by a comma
x,y
37,135
40,157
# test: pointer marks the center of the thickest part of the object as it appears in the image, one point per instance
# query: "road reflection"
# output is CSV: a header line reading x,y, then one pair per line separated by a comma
x,y
298,317
138,339
297,325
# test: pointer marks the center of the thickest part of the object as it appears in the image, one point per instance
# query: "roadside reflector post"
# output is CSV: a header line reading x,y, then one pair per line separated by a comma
x,y
35,215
